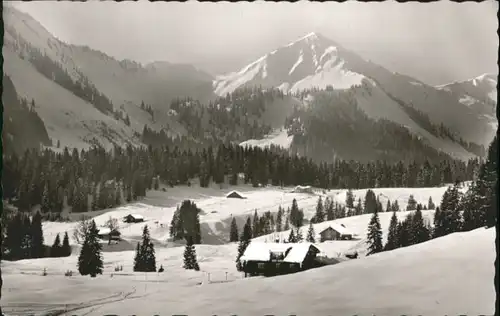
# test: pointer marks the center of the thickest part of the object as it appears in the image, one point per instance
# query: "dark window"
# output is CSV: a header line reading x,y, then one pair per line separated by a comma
x,y
277,256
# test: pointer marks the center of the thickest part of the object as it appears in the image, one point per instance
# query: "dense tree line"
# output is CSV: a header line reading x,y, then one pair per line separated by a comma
x,y
22,238
333,126
438,130
236,117
457,212
96,179
22,127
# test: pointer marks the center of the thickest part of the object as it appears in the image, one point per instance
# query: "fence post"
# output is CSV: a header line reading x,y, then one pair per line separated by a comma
x,y
226,275
209,277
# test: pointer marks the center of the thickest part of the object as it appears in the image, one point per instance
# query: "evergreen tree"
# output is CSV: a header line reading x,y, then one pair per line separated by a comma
x,y
190,261
90,259
311,234
349,200
233,234
374,235
330,210
395,206
419,231
26,238
388,206
137,259
370,202
256,225
55,250
299,237
296,215
358,210
279,219
392,236
245,240
412,203
147,252
430,204
450,211
37,247
291,237
438,222
45,205
66,248
320,214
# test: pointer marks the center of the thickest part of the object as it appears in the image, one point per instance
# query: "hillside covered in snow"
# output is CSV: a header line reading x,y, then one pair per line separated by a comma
x,y
316,62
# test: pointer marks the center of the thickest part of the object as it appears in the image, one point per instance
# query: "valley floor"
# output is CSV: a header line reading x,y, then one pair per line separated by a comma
x,y
449,275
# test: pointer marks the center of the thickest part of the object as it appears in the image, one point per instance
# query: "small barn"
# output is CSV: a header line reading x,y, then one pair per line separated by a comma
x,y
108,234
235,195
272,259
303,189
133,218
335,232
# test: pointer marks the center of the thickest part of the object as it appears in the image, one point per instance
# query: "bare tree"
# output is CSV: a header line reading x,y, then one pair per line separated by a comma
x,y
112,224
81,230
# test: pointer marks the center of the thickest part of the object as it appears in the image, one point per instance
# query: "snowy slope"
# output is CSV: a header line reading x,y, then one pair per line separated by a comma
x,y
316,61
218,210
67,118
425,279
277,138
311,61
125,83
479,94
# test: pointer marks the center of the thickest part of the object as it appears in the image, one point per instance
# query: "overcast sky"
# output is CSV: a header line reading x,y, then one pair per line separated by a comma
x,y
435,42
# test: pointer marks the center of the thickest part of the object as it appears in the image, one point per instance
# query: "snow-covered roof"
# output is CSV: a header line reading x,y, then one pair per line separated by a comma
x,y
104,231
235,192
299,187
258,251
298,252
136,216
339,228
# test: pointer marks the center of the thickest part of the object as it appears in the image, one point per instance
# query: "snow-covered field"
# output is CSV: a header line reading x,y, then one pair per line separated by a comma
x,y
218,210
449,275
278,138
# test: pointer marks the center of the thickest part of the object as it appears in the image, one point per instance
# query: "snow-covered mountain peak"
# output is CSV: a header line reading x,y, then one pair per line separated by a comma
x,y
311,61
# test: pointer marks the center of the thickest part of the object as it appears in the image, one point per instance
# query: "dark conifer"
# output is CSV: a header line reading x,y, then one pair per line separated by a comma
x,y
279,219
233,234
320,214
37,247
392,236
55,250
66,248
245,240
190,261
374,235
412,203
90,259
311,234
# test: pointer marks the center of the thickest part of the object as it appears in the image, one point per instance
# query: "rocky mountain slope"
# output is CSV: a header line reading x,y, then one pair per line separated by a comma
x,y
83,94
315,61
479,94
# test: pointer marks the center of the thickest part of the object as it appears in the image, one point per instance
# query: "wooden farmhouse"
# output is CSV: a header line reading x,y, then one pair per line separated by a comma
x,y
108,234
272,259
336,232
133,218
